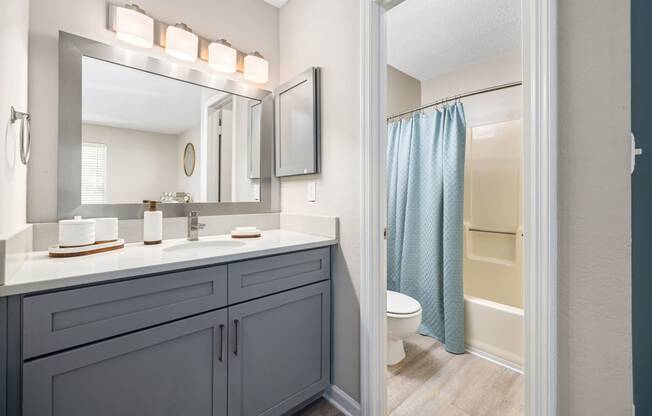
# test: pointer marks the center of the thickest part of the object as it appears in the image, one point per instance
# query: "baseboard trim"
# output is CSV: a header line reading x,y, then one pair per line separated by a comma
x,y
344,403
495,359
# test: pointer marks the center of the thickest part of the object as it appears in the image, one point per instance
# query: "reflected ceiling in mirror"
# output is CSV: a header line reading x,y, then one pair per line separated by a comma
x,y
136,127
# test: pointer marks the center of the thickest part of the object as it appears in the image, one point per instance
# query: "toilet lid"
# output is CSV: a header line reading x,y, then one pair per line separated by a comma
x,y
400,304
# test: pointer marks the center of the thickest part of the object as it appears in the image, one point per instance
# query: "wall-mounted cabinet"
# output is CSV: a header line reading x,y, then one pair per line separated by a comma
x,y
298,120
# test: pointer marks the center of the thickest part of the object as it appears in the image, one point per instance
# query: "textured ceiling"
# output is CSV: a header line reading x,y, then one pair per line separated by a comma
x,y
427,38
277,3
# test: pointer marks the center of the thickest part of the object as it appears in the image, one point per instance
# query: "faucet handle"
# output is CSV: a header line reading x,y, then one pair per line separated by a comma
x,y
201,226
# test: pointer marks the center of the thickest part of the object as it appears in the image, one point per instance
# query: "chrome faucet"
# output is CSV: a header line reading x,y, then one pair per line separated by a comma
x,y
194,226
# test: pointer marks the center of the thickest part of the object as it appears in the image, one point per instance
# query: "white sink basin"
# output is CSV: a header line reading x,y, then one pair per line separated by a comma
x,y
197,245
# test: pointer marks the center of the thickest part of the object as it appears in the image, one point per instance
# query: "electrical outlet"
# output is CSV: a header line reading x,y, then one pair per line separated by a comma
x,y
312,191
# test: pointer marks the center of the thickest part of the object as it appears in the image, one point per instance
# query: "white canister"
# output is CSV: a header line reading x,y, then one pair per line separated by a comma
x,y
152,224
77,232
106,230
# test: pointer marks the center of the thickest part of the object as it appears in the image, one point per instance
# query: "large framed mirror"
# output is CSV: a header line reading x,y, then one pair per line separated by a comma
x,y
127,122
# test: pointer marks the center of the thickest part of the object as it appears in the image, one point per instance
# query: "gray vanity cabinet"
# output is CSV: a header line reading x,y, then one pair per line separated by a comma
x,y
279,351
174,344
172,369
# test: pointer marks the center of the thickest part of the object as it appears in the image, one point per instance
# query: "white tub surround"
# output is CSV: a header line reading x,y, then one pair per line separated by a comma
x,y
39,272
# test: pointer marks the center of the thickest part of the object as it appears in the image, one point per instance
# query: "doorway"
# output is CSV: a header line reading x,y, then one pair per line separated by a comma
x,y
539,207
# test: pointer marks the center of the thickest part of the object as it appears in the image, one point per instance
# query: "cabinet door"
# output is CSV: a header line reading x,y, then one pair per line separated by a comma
x,y
173,369
279,351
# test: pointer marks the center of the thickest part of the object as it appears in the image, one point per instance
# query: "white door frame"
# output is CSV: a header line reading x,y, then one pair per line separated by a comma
x,y
539,19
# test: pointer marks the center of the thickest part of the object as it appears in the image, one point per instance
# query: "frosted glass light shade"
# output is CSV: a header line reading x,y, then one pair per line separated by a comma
x,y
256,68
181,43
222,57
133,26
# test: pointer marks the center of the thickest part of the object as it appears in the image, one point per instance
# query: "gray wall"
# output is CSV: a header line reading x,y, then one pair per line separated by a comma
x,y
403,91
595,373
14,18
310,38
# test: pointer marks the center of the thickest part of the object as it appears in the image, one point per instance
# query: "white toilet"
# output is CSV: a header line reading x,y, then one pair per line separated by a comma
x,y
403,320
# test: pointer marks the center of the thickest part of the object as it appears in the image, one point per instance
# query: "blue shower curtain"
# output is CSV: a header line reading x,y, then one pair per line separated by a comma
x,y
425,164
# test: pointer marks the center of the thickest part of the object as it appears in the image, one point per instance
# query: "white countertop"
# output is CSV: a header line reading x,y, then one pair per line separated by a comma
x,y
40,272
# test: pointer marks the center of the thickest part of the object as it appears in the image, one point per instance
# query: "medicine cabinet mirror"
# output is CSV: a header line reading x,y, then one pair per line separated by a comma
x,y
297,112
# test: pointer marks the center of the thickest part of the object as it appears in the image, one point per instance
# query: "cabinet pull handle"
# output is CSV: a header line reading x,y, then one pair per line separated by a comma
x,y
221,358
235,347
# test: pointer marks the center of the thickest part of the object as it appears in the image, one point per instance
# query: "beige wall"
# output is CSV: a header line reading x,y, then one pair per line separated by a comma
x,y
403,91
140,164
14,18
248,24
595,374
309,37
485,108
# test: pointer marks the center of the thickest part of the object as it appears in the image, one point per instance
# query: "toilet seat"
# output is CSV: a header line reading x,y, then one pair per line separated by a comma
x,y
400,305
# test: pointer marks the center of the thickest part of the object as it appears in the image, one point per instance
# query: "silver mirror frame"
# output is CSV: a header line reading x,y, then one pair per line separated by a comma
x,y
72,49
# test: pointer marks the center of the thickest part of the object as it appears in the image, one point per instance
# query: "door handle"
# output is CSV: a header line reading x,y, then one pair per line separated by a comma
x,y
221,357
235,346
635,151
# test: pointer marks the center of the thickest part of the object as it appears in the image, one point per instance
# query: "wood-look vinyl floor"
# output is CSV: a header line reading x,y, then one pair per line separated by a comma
x,y
431,381
319,408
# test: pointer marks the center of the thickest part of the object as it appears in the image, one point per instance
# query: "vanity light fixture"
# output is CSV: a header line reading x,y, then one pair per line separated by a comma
x,y
256,68
181,43
222,57
133,26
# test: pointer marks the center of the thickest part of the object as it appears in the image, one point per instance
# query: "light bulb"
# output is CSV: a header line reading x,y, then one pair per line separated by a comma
x,y
222,57
256,68
133,26
181,43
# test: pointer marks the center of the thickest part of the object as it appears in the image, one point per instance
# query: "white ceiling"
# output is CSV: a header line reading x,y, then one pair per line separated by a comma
x,y
277,3
118,96
427,38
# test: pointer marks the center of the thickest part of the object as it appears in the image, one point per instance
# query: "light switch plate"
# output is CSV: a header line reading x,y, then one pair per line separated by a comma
x,y
312,191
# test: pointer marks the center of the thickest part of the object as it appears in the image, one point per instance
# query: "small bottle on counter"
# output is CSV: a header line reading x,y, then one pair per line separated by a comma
x,y
152,224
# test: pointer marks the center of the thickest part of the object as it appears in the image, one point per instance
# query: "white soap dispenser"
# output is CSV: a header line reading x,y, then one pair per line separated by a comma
x,y
152,224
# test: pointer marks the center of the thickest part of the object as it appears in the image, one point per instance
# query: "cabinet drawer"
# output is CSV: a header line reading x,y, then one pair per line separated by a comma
x,y
55,321
255,278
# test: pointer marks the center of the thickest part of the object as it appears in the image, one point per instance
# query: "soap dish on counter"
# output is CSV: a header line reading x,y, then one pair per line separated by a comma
x,y
58,251
245,232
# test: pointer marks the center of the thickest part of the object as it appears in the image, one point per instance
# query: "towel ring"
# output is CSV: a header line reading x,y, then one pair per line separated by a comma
x,y
25,134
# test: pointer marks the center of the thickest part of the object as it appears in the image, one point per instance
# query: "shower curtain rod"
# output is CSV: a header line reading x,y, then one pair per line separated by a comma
x,y
458,97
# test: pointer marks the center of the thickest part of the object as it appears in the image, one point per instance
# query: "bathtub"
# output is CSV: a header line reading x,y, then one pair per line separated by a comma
x,y
494,331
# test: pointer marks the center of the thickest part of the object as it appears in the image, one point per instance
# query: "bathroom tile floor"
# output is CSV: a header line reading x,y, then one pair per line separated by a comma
x,y
432,381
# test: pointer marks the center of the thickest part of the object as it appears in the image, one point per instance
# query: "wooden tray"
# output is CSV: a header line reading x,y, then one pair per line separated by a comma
x,y
58,252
